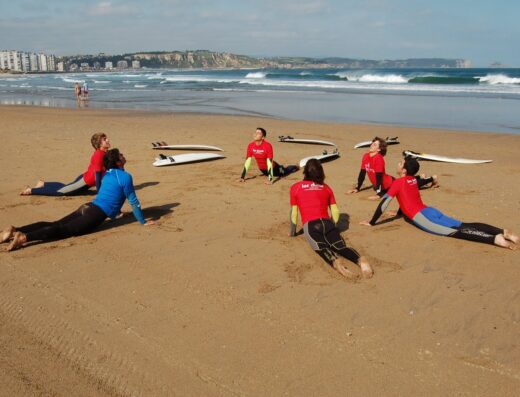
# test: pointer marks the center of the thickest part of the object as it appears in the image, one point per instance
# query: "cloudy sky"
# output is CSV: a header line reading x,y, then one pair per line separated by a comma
x,y
482,31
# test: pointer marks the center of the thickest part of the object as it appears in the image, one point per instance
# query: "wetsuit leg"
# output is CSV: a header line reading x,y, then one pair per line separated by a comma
x,y
479,232
423,181
325,239
60,189
83,220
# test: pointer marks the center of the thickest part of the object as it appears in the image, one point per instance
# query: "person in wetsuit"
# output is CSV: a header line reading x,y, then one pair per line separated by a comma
x,y
116,188
373,166
431,220
92,177
262,151
313,198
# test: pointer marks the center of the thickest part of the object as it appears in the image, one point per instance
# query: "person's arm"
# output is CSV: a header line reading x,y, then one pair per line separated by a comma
x,y
99,176
360,180
270,169
129,191
380,209
247,164
334,210
294,220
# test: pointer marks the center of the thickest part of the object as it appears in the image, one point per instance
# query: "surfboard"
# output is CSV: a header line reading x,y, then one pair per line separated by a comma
x,y
165,146
287,138
389,141
434,157
325,156
178,159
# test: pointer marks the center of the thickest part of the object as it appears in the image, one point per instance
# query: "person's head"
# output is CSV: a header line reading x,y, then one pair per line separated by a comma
x,y
260,134
313,171
113,159
100,141
378,145
408,166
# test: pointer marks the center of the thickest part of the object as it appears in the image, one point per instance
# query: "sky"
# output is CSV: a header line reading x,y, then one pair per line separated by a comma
x,y
480,31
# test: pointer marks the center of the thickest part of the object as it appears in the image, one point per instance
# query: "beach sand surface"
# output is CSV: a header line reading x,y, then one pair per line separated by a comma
x,y
217,300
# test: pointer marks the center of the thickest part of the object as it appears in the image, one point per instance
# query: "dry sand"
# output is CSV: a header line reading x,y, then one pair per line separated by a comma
x,y
216,300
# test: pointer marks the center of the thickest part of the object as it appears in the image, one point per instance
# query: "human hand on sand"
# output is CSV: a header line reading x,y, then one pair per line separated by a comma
x,y
374,197
355,190
365,223
149,223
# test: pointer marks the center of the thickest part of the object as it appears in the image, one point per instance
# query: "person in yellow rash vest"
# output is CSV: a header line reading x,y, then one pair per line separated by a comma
x,y
313,198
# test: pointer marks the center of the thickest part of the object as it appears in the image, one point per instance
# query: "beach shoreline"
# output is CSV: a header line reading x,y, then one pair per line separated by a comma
x,y
216,300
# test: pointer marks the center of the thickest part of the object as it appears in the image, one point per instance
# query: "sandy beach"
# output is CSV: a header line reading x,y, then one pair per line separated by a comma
x,y
216,299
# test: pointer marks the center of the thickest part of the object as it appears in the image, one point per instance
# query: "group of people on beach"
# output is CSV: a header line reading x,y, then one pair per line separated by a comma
x,y
311,197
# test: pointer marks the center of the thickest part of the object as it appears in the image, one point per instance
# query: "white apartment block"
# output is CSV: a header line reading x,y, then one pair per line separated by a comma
x,y
19,61
136,65
109,65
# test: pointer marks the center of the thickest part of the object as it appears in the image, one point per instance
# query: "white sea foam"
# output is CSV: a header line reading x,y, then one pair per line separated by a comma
x,y
305,73
256,75
498,79
67,80
101,82
196,79
141,85
373,78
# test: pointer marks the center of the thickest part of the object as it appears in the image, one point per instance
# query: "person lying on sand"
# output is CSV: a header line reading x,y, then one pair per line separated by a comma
x,y
373,165
116,188
313,198
262,151
432,220
92,177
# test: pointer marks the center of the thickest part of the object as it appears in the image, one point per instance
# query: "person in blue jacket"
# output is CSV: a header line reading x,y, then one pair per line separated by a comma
x,y
117,187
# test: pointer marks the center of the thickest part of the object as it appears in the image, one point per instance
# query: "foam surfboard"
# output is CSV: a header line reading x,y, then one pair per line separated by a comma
x,y
164,145
287,138
434,157
178,159
389,141
325,156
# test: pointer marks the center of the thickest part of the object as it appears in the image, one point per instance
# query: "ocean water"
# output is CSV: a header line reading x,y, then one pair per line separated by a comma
x,y
465,99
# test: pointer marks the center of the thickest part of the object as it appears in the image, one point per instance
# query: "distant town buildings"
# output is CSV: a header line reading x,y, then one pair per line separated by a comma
x,y
122,64
109,65
19,61
136,65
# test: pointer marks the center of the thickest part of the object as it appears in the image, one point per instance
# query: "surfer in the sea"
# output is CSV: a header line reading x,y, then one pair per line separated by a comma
x,y
92,177
373,165
313,198
432,220
116,188
262,151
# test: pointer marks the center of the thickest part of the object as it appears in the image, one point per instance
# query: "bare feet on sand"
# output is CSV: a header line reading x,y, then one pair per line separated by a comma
x,y
39,184
26,192
18,240
344,271
7,234
501,241
366,269
509,235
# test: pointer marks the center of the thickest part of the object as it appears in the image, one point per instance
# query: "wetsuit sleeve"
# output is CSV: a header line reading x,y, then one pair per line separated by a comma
x,y
334,210
294,219
247,164
379,183
361,178
383,204
270,168
99,176
133,201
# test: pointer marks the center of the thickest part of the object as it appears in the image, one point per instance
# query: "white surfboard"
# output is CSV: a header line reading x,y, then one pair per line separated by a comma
x,y
178,159
324,156
389,141
434,157
165,146
287,138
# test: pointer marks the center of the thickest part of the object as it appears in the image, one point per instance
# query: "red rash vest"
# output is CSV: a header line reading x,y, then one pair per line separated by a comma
x,y
373,165
260,152
407,192
313,200
96,165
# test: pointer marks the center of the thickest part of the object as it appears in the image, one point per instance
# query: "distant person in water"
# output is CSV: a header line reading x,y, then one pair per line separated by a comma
x,y
373,166
84,90
432,220
313,198
80,185
117,187
77,91
262,151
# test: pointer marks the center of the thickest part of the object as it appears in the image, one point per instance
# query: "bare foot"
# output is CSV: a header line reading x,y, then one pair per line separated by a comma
x,y
366,269
509,235
344,271
18,240
39,184
501,241
7,234
26,192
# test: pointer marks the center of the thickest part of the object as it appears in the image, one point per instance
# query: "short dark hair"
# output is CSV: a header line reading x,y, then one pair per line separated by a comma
x,y
411,165
313,171
111,159
382,145
264,132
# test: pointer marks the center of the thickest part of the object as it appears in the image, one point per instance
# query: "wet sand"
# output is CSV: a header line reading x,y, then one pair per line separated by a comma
x,y
216,300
